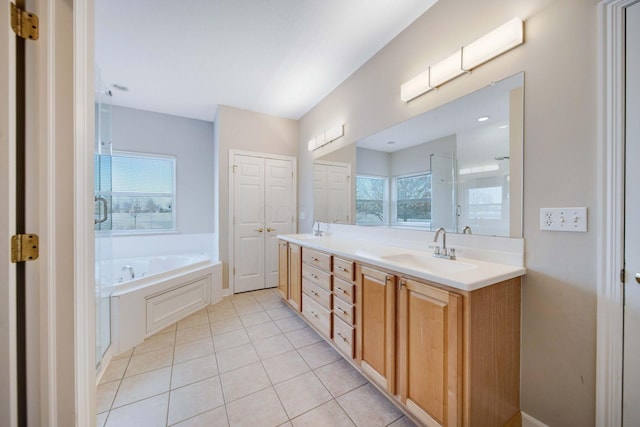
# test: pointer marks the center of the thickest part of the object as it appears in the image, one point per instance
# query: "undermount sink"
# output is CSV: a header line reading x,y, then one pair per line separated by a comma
x,y
428,263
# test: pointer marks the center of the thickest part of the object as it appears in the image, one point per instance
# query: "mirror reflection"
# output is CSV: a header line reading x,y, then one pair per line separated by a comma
x,y
458,166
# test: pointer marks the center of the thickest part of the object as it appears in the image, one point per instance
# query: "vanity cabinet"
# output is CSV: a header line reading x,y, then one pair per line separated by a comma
x,y
317,283
344,312
294,260
376,320
283,269
430,352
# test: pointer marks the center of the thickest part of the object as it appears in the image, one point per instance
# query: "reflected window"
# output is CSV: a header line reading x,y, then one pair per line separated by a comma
x,y
143,192
370,200
412,200
485,203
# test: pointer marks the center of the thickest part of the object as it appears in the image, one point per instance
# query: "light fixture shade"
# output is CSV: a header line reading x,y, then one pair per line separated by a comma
x,y
505,37
415,87
334,133
312,144
447,69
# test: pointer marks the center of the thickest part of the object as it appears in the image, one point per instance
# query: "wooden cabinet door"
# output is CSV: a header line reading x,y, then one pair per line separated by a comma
x,y
283,269
295,276
430,353
375,308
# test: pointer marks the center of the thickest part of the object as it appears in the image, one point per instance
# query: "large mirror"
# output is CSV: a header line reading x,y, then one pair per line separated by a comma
x,y
458,166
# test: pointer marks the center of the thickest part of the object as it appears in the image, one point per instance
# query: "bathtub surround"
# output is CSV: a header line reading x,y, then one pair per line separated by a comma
x,y
137,245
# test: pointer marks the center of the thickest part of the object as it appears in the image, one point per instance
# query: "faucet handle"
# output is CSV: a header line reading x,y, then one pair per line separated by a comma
x,y
452,253
436,250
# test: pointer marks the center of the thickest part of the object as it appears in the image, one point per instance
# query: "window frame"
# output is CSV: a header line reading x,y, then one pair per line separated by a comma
x,y
394,201
173,195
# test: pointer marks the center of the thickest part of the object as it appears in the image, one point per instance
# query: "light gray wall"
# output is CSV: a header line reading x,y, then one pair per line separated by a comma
x,y
372,162
560,63
246,130
191,142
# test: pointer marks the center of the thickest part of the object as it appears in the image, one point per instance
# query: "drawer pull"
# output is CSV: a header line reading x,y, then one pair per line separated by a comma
x,y
315,259
314,276
343,269
314,313
315,293
341,290
343,337
341,310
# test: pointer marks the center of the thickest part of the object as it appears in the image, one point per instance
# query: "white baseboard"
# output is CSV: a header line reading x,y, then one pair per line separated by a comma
x,y
529,421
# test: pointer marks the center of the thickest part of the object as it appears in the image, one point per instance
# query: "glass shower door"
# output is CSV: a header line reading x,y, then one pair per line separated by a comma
x,y
103,241
444,204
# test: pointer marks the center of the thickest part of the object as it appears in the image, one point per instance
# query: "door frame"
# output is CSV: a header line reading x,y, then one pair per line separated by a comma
x,y
231,228
610,226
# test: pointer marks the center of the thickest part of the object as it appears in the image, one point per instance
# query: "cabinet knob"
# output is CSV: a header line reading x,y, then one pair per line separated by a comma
x,y
342,336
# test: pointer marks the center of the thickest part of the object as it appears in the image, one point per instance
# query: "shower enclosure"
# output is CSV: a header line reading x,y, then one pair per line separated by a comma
x,y
103,240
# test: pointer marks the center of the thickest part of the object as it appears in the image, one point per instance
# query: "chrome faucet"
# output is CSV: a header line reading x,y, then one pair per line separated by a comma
x,y
445,252
132,274
317,231
466,230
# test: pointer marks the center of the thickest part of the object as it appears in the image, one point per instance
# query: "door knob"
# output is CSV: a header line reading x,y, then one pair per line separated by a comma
x,y
269,229
638,277
260,230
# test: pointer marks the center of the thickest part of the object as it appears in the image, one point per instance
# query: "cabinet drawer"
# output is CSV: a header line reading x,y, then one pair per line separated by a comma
x,y
317,315
318,294
344,311
319,259
317,276
344,290
343,269
343,336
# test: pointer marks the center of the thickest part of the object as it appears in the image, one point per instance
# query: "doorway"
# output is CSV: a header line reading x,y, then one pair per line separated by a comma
x,y
262,201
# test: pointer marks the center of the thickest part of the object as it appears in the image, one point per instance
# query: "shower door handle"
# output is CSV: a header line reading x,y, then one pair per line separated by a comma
x,y
105,210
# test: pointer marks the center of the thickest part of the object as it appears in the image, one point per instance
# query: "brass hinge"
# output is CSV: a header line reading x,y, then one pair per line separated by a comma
x,y
24,247
622,276
23,23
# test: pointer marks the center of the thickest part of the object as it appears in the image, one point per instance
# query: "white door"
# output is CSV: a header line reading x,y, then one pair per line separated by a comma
x,y
631,378
8,404
263,207
332,192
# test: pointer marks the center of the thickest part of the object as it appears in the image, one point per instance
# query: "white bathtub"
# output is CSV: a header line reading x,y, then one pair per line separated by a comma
x,y
164,290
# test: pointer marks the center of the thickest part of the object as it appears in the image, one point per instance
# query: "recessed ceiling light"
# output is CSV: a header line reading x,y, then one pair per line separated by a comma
x,y
391,142
503,127
120,87
483,118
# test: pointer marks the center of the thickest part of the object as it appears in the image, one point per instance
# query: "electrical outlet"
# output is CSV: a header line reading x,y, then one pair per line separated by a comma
x,y
563,219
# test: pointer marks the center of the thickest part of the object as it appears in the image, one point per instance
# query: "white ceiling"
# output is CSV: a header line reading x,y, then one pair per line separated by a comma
x,y
279,57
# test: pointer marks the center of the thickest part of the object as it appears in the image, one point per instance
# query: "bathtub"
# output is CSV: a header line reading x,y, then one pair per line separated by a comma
x,y
151,293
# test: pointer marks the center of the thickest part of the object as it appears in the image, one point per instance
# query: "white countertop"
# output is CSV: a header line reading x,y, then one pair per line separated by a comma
x,y
462,273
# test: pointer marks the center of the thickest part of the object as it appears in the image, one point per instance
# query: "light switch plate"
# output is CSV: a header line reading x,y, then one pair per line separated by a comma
x,y
563,219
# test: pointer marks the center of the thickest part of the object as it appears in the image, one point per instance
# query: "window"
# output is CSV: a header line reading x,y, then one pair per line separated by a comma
x,y
370,200
143,192
485,203
412,200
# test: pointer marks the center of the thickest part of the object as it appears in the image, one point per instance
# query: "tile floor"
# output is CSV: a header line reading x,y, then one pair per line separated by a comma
x,y
246,361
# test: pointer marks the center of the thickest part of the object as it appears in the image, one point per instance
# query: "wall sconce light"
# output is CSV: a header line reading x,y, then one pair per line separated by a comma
x,y
502,39
326,137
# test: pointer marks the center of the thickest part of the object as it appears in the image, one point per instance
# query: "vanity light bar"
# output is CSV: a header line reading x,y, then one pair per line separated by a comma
x,y
502,39
326,137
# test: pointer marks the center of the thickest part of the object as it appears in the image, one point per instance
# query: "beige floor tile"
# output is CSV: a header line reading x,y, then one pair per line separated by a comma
x,y
302,393
193,350
185,335
244,381
261,409
143,386
197,318
123,355
114,371
243,299
217,316
101,419
280,313
194,399
272,304
213,418
155,343
222,326
329,414
367,407
230,339
194,370
151,361
319,354
168,329
262,331
340,377
222,305
105,394
249,308
403,422
236,357
150,412
272,346
255,318
290,324
285,366
303,337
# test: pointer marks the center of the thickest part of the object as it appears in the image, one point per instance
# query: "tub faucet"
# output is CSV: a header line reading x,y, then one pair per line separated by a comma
x,y
132,274
445,252
317,231
466,230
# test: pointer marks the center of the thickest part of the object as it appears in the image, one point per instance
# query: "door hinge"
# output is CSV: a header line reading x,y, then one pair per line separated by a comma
x,y
622,276
23,23
234,271
24,247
